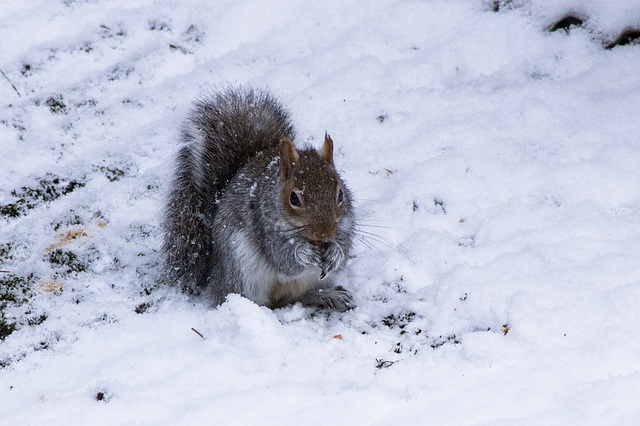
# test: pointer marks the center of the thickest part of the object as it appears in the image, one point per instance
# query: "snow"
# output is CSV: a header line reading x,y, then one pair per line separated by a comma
x,y
495,165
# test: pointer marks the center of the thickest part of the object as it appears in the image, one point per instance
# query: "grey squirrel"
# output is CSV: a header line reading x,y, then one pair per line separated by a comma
x,y
249,213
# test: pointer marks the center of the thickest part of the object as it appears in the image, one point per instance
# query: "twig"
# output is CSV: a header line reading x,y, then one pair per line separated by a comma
x,y
4,272
12,85
197,332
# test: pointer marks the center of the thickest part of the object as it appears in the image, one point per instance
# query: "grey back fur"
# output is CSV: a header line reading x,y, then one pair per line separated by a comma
x,y
221,134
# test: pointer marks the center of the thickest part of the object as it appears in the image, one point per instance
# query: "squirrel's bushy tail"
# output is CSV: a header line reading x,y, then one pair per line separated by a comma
x,y
221,134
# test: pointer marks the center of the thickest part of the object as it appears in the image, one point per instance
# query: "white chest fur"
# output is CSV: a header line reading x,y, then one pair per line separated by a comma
x,y
261,283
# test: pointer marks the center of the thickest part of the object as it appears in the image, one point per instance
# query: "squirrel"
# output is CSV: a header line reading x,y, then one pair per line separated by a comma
x,y
249,213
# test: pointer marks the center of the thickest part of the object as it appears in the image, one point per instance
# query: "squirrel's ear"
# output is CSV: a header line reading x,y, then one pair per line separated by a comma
x,y
327,149
288,158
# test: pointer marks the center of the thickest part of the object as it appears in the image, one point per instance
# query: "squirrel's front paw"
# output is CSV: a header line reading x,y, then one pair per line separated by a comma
x,y
335,298
307,255
331,260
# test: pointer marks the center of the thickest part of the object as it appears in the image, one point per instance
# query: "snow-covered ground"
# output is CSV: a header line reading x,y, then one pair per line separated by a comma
x,y
496,168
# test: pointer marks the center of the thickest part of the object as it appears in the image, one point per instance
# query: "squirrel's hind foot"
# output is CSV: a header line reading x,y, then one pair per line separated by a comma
x,y
334,298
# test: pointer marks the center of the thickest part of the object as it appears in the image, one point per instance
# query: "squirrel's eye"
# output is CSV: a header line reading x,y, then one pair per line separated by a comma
x,y
294,199
340,196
